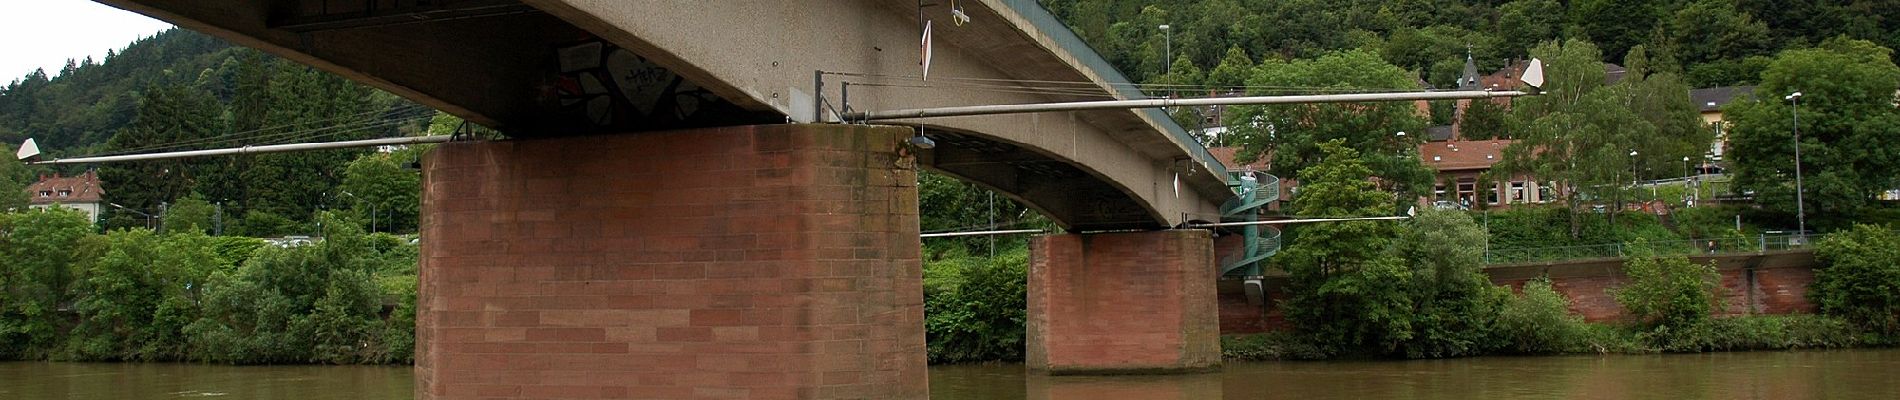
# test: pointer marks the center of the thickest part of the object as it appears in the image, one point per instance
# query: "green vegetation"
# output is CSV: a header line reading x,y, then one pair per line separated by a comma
x,y
974,307
137,295
1847,124
181,90
1668,292
975,288
1861,280
1294,134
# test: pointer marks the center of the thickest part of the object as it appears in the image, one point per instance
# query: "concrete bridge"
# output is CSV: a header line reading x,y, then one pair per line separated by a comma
x,y
679,214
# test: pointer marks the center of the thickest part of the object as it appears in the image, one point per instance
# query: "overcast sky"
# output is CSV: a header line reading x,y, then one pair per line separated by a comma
x,y
44,33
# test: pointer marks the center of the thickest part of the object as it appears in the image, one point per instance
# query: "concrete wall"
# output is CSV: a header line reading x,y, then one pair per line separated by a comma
x,y
1754,283
762,262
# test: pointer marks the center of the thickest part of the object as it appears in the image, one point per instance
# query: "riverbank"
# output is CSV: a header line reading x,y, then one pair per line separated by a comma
x,y
1738,333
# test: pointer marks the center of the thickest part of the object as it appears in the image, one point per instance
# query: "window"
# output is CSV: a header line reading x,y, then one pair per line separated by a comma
x,y
1491,196
1546,193
65,193
1438,192
1517,192
46,193
1467,191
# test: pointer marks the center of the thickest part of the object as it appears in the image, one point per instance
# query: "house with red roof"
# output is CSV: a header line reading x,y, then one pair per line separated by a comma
x,y
83,193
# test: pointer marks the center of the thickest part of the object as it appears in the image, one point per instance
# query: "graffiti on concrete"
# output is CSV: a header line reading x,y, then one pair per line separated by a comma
x,y
602,87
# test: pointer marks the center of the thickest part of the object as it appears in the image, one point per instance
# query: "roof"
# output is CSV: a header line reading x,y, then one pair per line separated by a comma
x,y
1712,99
1226,156
1613,73
1438,133
1463,155
84,188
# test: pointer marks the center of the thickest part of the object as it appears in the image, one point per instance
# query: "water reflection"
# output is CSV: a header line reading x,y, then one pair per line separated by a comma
x,y
40,380
1764,375
1856,374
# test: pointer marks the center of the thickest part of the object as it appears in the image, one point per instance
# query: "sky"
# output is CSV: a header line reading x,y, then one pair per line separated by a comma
x,y
44,33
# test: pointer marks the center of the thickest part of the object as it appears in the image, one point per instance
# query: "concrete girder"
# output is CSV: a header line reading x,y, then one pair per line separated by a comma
x,y
770,66
759,59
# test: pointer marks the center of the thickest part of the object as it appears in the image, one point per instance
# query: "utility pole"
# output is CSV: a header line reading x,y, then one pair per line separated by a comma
x,y
217,220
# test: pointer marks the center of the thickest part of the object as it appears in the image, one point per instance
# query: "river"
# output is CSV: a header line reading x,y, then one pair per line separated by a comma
x,y
1847,374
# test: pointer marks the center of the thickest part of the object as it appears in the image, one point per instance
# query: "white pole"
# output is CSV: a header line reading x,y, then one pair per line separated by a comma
x,y
862,116
275,148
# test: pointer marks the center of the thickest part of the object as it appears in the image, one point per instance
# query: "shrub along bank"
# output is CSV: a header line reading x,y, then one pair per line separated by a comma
x,y
67,293
1671,301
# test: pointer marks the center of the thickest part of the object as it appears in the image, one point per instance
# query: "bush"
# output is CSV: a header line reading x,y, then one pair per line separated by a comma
x,y
1453,302
1669,293
1860,278
1270,346
1538,321
974,307
1774,332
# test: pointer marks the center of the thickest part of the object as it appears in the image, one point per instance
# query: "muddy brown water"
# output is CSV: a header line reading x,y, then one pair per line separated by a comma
x,y
1846,374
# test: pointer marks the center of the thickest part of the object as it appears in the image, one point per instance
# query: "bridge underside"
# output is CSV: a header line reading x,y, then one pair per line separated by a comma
x,y
546,68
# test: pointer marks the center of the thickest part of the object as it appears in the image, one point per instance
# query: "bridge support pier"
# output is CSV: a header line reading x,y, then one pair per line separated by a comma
x,y
774,261
1123,303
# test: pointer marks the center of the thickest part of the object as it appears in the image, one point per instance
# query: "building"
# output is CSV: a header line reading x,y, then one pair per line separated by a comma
x,y
83,193
1711,101
1461,180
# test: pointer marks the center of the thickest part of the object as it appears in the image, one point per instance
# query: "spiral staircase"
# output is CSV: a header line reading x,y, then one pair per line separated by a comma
x,y
1253,191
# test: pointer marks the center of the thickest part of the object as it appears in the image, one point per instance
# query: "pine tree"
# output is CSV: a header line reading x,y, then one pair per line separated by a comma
x,y
168,115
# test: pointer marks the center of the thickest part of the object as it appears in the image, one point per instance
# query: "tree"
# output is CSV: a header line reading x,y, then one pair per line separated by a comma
x,y
1525,23
167,116
1292,134
1554,126
383,192
14,179
1712,30
38,251
1847,125
1484,119
1861,280
1669,293
1233,71
1594,140
319,106
1453,301
1346,289
190,214
1615,24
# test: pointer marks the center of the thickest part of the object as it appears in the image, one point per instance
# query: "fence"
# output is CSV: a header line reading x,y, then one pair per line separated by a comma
x,y
1729,245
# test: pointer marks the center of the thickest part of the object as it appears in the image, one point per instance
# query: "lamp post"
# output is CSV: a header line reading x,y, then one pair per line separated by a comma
x,y
1800,207
372,209
1634,180
1402,144
148,217
1687,175
1167,44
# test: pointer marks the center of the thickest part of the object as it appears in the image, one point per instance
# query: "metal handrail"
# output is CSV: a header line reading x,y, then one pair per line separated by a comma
x,y
1725,245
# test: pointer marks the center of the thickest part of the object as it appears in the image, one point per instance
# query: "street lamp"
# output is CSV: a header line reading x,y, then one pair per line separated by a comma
x,y
1402,145
1633,179
1167,42
1800,207
148,217
372,209
1688,174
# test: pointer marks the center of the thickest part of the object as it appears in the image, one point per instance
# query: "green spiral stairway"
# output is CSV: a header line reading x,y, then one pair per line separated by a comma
x,y
1252,191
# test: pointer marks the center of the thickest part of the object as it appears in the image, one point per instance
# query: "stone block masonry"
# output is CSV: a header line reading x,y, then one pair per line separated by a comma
x,y
1141,302
1752,283
764,262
